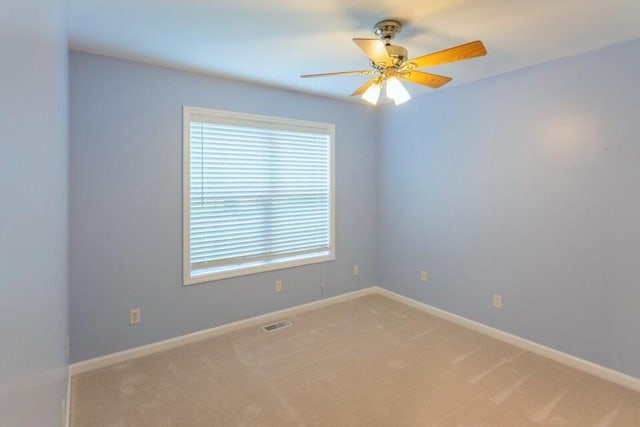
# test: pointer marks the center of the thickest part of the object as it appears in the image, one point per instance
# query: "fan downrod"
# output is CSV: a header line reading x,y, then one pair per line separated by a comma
x,y
387,29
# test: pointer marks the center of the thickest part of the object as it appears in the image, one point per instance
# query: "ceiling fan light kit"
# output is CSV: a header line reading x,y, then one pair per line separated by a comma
x,y
389,63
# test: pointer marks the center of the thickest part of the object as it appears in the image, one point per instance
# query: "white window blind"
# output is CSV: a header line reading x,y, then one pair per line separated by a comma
x,y
258,194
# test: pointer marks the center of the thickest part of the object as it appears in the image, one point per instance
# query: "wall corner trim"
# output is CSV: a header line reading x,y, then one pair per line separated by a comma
x,y
548,352
67,402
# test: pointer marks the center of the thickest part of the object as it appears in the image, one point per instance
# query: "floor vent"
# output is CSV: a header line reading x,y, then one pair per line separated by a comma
x,y
277,325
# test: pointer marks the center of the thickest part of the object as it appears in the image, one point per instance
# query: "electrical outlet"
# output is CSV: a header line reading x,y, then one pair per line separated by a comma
x,y
423,276
497,301
134,316
356,270
278,286
323,287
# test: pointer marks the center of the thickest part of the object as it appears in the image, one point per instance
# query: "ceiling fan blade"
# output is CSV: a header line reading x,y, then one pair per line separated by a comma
x,y
362,89
458,53
339,73
375,50
426,79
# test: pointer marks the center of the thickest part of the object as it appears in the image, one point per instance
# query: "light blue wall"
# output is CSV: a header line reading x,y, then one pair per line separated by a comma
x,y
33,212
525,185
126,212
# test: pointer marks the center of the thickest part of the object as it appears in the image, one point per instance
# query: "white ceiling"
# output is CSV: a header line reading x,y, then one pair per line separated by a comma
x,y
275,41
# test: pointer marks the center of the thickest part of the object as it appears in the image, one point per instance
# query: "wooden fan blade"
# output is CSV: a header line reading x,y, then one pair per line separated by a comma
x,y
362,89
375,50
426,79
458,53
339,73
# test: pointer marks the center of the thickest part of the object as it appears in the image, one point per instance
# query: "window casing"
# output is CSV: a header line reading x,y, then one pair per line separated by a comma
x,y
258,194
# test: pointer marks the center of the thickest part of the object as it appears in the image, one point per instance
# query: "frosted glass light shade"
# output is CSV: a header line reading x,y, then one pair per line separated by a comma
x,y
372,94
396,91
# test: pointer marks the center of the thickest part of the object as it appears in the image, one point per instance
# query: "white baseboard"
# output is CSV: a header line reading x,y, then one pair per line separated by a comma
x,y
123,356
548,352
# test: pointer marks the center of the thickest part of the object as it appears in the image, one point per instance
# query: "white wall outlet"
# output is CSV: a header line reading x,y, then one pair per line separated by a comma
x,y
323,287
356,270
134,316
497,301
423,276
277,286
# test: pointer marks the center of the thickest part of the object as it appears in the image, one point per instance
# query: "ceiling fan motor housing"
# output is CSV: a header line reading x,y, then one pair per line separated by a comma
x,y
397,53
387,30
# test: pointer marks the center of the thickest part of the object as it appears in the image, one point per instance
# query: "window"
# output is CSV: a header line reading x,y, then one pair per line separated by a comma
x,y
258,194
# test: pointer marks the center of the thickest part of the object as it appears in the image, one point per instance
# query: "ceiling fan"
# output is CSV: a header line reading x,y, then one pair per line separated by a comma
x,y
389,63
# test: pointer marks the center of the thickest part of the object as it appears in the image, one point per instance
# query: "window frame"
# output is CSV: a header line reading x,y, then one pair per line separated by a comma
x,y
188,277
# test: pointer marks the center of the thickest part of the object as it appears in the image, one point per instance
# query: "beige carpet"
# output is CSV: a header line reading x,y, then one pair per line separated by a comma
x,y
367,362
